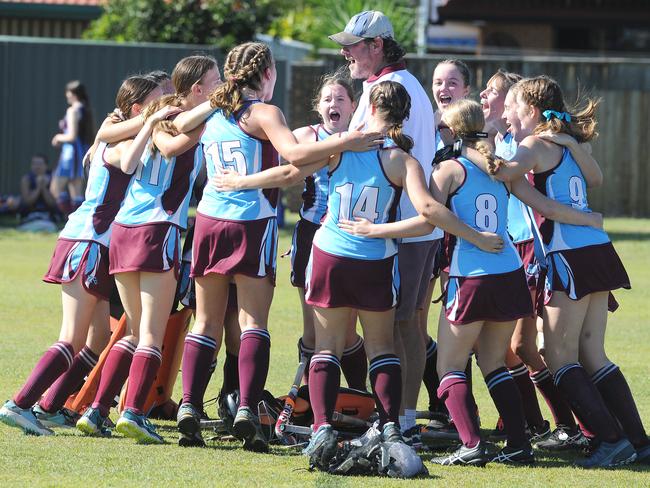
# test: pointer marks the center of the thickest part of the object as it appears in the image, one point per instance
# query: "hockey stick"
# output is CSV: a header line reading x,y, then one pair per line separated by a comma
x,y
290,401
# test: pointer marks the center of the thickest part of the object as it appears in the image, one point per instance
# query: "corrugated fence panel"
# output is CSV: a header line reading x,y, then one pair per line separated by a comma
x,y
33,77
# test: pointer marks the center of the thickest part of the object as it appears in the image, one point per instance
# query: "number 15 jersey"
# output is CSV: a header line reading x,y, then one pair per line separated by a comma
x,y
482,204
227,146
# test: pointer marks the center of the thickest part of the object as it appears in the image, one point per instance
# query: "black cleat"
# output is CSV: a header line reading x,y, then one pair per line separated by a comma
x,y
562,439
465,456
522,456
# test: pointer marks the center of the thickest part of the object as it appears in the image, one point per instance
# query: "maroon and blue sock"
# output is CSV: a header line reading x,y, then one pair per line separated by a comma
x,y
144,367
583,396
114,374
455,392
305,353
507,399
198,355
556,402
430,376
528,395
617,396
70,381
354,364
386,381
230,373
254,355
56,361
325,379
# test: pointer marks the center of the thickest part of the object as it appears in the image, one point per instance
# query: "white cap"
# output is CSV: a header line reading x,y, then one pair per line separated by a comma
x,y
364,25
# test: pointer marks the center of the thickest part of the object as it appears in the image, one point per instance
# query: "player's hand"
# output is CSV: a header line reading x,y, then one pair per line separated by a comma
x,y
596,220
358,141
164,113
559,138
55,141
490,242
227,180
357,227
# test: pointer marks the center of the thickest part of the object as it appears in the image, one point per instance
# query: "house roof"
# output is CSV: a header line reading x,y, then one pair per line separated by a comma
x,y
92,3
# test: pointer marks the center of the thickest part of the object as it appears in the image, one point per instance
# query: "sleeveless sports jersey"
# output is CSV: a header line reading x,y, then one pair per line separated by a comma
x,y
105,191
74,151
161,189
359,188
227,146
314,196
565,184
520,216
482,204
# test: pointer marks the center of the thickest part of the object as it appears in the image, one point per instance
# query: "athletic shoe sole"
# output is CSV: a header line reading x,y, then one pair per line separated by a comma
x,y
133,430
243,429
16,420
188,425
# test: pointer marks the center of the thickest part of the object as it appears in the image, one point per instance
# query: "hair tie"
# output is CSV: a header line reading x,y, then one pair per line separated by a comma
x,y
478,135
549,114
119,114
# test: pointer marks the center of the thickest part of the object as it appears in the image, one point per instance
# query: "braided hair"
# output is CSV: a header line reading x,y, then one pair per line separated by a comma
x,y
393,104
244,68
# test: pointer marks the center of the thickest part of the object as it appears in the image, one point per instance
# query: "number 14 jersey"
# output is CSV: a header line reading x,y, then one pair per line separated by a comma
x,y
481,203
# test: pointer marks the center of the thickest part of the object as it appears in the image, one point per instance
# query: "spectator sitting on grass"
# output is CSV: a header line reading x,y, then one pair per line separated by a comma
x,y
37,208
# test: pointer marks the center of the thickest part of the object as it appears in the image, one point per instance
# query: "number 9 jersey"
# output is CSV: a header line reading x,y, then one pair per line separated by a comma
x,y
482,204
227,146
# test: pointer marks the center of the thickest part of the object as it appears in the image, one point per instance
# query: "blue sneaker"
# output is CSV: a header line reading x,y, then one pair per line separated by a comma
x,y
60,418
189,426
321,448
246,427
93,423
23,418
643,455
138,427
610,455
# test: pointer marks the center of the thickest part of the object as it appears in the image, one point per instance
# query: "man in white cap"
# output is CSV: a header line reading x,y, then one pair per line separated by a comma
x,y
369,46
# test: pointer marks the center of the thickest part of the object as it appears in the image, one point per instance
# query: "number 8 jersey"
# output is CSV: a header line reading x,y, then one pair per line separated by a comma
x,y
227,146
358,187
481,203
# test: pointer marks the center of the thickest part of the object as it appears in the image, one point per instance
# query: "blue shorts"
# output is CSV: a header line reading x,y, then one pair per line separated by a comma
x,y
70,163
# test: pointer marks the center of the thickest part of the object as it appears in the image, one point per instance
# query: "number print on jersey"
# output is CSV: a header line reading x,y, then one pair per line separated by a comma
x,y
365,206
227,155
154,174
486,218
577,192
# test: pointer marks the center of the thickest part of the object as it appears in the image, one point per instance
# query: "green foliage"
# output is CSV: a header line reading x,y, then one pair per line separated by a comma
x,y
221,22
313,20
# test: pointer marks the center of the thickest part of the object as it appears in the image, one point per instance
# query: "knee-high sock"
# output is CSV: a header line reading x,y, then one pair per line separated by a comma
x,y
114,374
306,353
70,381
430,376
556,402
528,395
507,399
144,367
230,373
198,354
583,396
354,364
386,382
456,394
325,378
254,355
617,395
56,361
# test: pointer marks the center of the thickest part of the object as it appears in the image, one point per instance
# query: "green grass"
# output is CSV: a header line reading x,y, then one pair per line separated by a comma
x,y
30,320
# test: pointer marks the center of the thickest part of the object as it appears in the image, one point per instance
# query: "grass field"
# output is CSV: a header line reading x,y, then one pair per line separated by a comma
x,y
30,320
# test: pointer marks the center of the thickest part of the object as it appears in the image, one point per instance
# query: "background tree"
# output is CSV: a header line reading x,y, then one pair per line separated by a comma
x,y
221,22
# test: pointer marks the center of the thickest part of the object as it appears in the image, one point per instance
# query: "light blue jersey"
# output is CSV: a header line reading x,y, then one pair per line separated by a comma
x,y
228,146
359,187
314,196
105,190
520,216
566,184
482,204
161,188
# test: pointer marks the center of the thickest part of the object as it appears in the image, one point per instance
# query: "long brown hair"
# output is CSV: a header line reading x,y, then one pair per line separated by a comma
x,y
190,70
465,118
545,94
86,128
244,68
135,89
393,104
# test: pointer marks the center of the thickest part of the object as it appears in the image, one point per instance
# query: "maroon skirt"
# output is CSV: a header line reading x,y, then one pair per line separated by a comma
x,y
526,251
492,298
230,247
88,257
336,281
154,248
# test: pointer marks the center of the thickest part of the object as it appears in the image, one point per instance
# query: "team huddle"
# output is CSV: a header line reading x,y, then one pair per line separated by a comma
x,y
523,265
